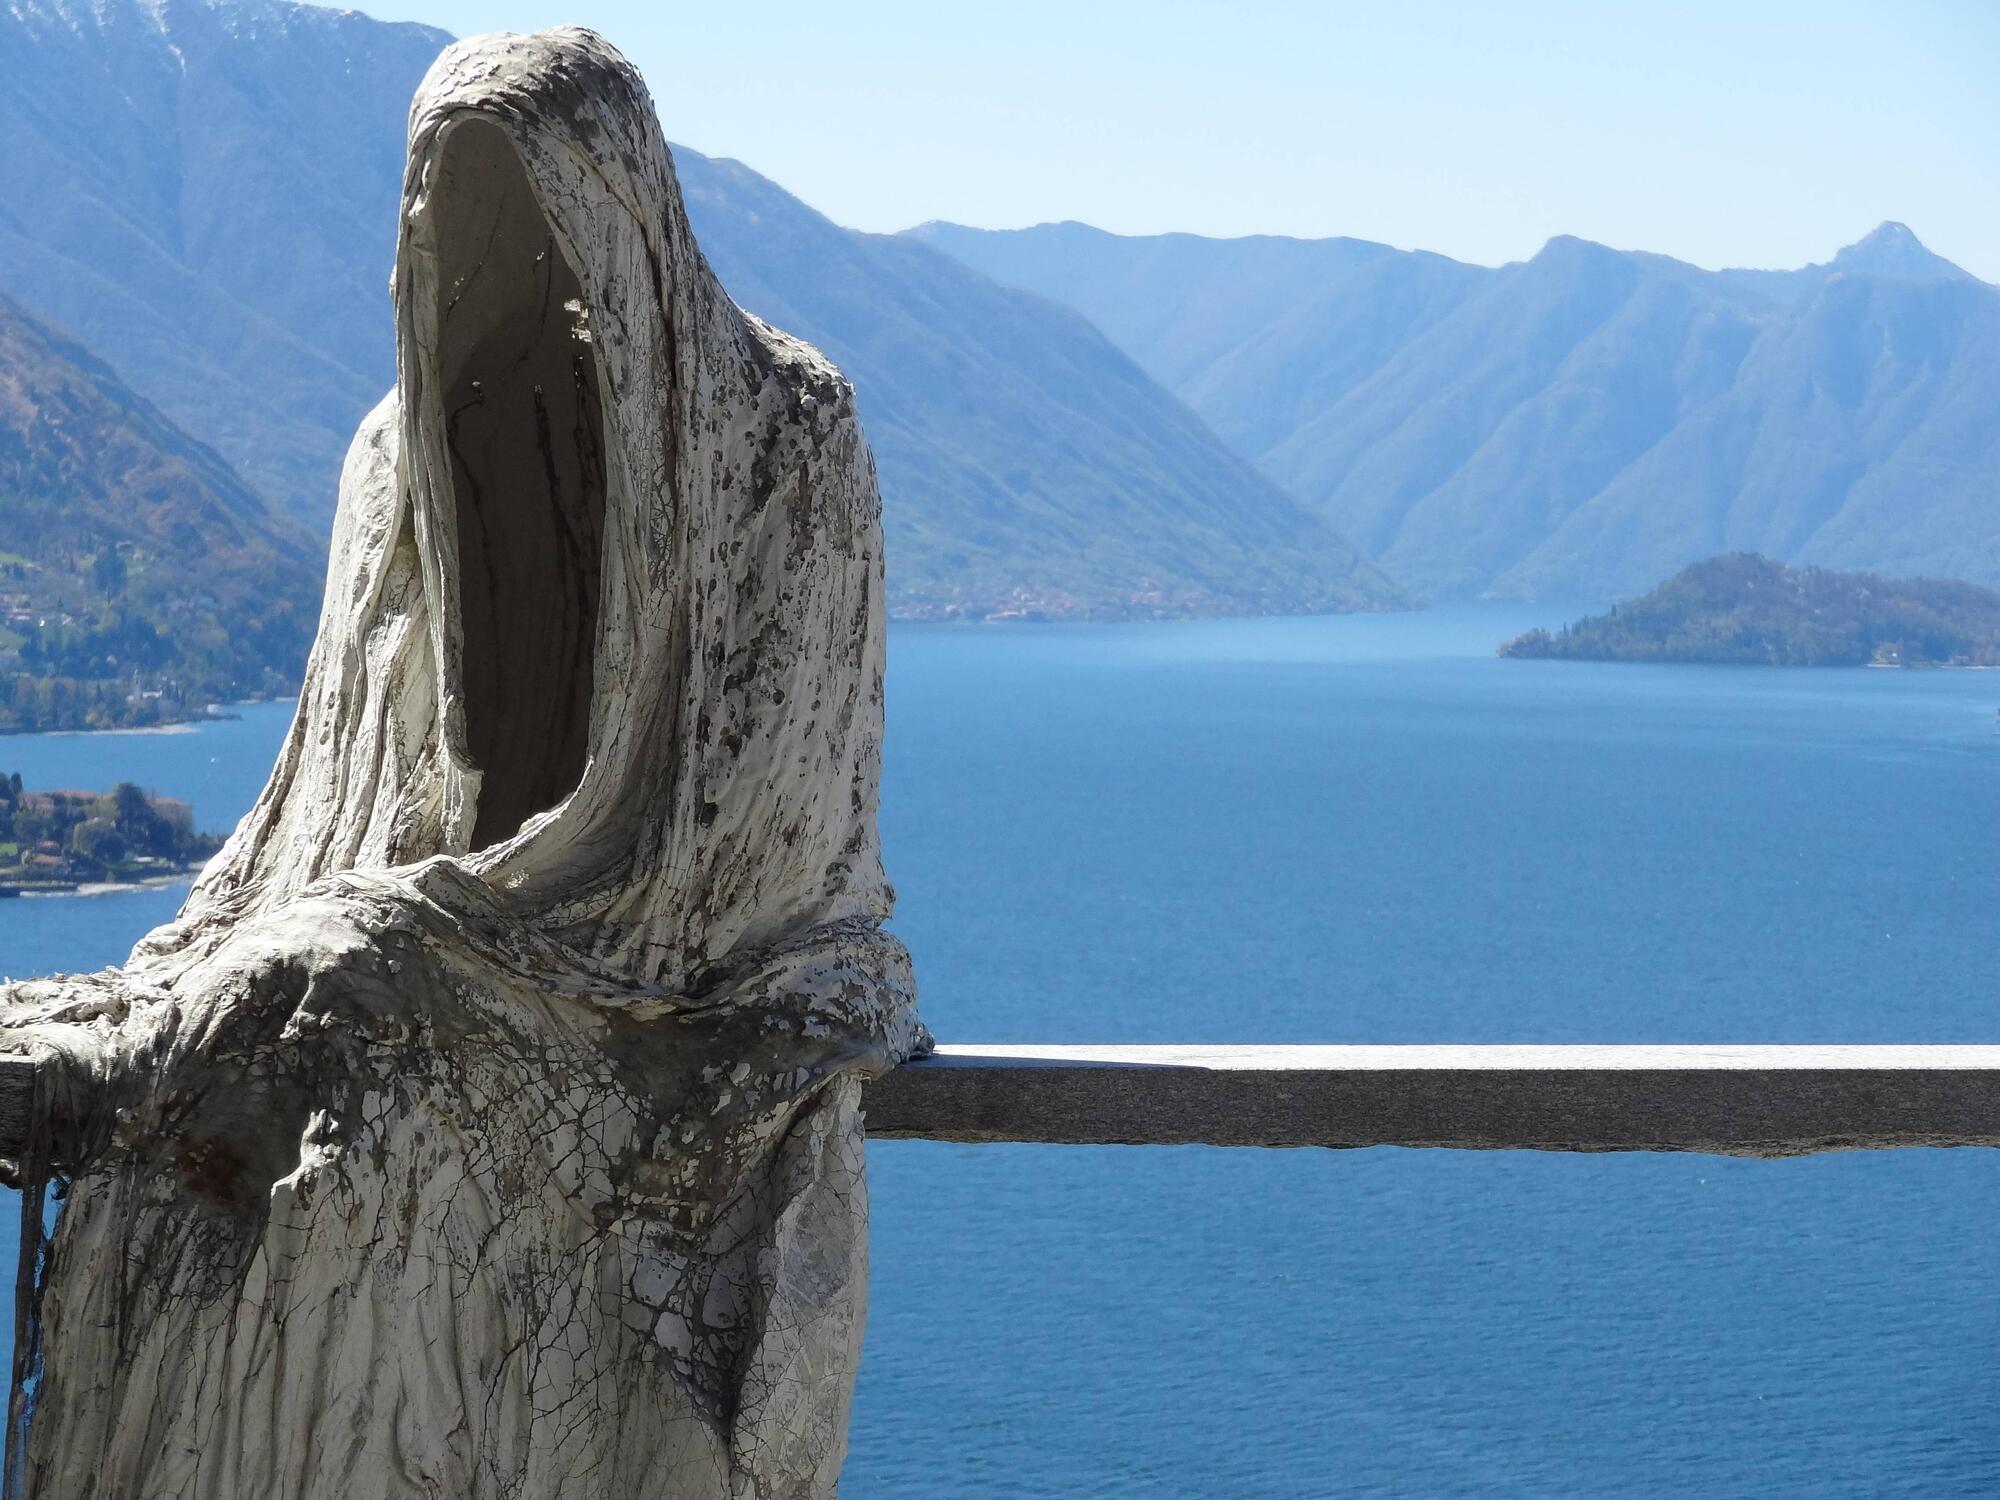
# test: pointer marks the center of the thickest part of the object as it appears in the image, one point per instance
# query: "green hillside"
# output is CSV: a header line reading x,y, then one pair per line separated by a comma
x,y
1579,424
140,579
204,194
1747,610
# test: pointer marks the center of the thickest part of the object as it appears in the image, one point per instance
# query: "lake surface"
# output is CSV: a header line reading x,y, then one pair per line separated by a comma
x,y
1370,829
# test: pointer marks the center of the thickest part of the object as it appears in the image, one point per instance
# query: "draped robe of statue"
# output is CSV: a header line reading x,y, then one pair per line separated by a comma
x,y
487,1123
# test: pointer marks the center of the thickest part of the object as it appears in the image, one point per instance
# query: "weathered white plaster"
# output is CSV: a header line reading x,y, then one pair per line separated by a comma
x,y
486,1125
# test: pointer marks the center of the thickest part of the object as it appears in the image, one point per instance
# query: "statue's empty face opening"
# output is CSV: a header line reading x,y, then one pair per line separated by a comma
x,y
525,430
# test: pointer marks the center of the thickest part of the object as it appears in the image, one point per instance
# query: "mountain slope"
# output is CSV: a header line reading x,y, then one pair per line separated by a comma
x,y
1277,378
1864,433
1175,302
1025,462
204,191
133,561
1579,424
1456,457
1889,250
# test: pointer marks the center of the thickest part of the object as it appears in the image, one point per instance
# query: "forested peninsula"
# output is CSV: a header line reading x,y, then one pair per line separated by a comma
x,y
1743,609
57,841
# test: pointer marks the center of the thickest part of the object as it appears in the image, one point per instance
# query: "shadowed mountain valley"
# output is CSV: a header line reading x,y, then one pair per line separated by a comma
x,y
1026,463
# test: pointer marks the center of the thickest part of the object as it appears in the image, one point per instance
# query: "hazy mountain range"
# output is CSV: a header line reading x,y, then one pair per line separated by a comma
x,y
203,191
1579,424
1019,449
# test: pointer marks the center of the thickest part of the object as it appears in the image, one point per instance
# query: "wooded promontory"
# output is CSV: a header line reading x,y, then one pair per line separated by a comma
x,y
1747,610
54,841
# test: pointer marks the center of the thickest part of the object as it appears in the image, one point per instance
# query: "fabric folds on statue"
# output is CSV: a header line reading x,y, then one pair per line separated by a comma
x,y
487,1124
735,739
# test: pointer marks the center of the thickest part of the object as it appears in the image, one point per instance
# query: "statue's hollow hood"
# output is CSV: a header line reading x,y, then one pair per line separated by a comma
x,y
589,556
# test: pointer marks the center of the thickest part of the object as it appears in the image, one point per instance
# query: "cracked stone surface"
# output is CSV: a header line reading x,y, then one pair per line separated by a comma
x,y
486,1124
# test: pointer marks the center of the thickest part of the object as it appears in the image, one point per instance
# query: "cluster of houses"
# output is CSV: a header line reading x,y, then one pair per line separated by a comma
x,y
59,840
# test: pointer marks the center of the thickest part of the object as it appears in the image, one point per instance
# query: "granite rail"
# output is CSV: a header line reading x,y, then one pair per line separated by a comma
x,y
1769,1101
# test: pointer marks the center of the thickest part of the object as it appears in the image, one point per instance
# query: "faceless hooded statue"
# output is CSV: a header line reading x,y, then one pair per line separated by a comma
x,y
486,1125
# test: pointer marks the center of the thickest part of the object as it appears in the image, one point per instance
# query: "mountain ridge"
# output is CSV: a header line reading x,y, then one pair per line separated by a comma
x,y
214,190
193,218
1215,536
1510,431
1572,425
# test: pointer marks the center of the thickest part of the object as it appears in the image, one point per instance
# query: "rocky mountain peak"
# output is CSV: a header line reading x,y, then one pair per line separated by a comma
x,y
1891,249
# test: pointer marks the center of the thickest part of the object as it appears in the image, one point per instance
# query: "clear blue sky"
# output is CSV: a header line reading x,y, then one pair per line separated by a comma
x,y
1760,132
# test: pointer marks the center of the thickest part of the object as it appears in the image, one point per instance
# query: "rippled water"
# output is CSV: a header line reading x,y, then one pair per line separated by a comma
x,y
1369,829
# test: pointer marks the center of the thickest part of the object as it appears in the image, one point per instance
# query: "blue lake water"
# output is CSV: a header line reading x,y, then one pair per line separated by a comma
x,y
1370,829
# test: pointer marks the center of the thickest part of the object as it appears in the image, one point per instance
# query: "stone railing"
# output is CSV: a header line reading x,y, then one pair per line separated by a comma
x,y
1737,1101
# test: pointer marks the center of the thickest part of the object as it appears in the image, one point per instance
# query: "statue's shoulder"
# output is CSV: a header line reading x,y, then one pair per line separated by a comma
x,y
370,498
375,440
800,365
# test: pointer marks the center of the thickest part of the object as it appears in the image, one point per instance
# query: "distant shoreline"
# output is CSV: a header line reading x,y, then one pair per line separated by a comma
x,y
38,890
176,726
221,713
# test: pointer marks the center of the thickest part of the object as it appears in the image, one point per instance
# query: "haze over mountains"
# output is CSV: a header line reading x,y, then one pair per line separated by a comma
x,y
204,194
205,191
1577,425
1014,440
1066,421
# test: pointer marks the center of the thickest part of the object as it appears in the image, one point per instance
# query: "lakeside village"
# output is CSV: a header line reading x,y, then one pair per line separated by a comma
x,y
62,840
